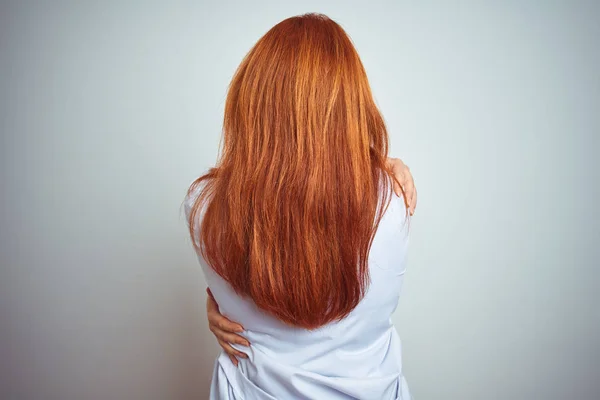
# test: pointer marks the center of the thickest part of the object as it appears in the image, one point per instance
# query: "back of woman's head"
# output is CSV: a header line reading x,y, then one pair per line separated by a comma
x,y
291,208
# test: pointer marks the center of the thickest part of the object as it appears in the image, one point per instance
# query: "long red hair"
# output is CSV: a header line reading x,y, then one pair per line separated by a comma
x,y
291,209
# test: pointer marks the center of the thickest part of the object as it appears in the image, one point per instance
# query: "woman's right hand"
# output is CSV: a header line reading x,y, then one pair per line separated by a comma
x,y
224,329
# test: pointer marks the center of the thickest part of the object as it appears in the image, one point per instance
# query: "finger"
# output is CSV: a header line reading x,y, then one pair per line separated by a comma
x,y
231,351
397,188
397,182
401,177
218,320
409,192
408,185
230,337
414,200
402,172
412,195
233,360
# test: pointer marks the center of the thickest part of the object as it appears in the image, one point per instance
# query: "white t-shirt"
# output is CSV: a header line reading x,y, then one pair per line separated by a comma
x,y
358,357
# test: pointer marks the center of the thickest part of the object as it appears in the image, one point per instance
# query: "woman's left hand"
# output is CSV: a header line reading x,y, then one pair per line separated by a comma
x,y
402,173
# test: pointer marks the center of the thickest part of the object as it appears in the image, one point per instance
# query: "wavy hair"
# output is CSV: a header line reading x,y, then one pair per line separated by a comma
x,y
292,206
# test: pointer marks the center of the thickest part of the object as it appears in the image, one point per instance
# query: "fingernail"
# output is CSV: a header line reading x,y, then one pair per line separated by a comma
x,y
246,343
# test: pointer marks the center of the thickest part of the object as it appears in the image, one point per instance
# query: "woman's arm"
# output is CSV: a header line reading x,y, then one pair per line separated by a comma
x,y
225,330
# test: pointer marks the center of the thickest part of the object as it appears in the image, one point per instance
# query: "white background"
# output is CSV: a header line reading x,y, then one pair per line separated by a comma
x,y
110,110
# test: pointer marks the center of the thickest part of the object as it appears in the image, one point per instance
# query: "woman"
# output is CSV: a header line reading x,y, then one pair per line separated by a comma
x,y
297,229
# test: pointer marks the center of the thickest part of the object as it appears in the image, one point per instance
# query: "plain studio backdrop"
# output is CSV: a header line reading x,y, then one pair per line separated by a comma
x,y
109,110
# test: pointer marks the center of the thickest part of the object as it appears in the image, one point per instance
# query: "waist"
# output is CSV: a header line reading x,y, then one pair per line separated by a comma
x,y
331,373
351,355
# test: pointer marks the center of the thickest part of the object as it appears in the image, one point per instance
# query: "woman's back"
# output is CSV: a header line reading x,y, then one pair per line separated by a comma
x,y
293,225
358,357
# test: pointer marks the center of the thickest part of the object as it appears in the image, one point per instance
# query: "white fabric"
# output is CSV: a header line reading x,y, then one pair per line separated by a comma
x,y
356,358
